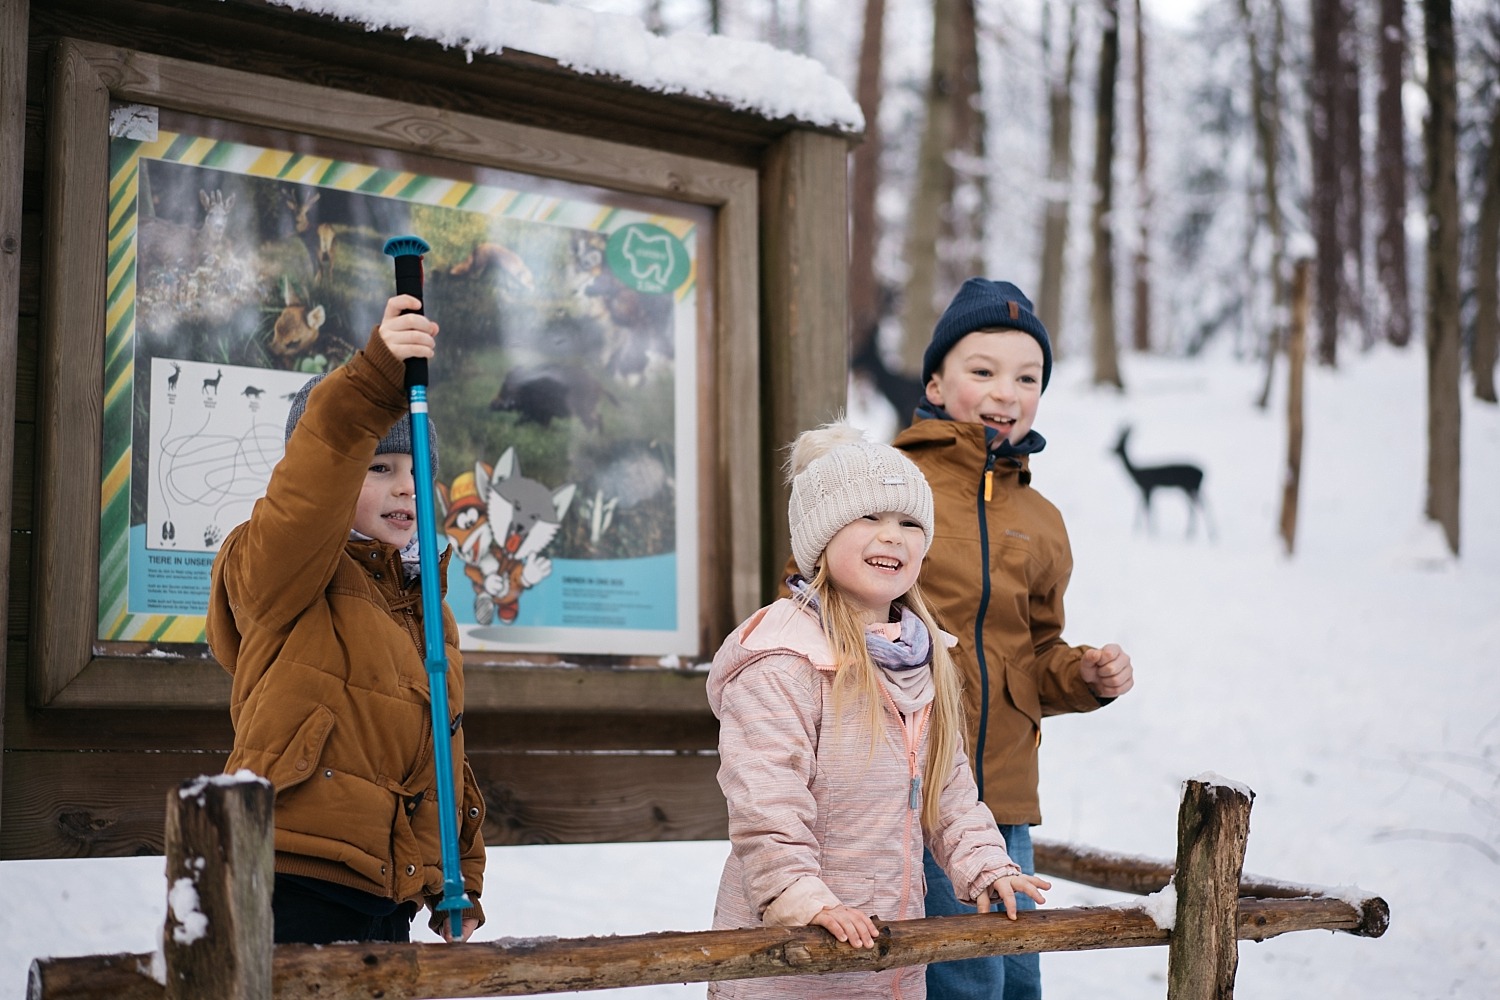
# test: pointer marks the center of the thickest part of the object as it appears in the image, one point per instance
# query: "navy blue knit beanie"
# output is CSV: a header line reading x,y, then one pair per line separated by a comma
x,y
396,441
982,304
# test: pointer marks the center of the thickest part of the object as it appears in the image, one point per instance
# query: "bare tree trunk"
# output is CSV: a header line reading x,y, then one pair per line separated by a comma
x,y
1394,301
864,228
715,17
1328,234
1141,262
933,193
1102,273
1296,355
1487,260
961,246
1265,103
1443,368
1351,162
1059,171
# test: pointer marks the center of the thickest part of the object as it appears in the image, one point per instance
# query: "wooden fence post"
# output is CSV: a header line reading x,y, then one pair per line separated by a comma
x,y
1213,823
217,939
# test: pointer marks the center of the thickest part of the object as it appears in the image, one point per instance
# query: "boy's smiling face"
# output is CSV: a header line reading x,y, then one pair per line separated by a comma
x,y
991,377
387,507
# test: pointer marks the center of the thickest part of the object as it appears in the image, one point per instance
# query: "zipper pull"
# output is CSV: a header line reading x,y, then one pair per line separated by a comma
x,y
916,793
989,481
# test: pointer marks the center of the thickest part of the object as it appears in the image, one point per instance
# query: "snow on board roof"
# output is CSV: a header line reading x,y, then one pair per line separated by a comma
x,y
745,75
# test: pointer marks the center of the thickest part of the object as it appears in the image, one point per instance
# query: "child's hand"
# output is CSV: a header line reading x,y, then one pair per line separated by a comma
x,y
847,924
1005,888
409,335
470,925
1107,671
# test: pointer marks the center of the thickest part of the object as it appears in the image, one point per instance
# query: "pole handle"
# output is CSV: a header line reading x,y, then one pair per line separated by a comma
x,y
406,253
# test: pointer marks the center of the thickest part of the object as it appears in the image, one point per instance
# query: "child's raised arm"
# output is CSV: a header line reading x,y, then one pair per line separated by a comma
x,y
407,334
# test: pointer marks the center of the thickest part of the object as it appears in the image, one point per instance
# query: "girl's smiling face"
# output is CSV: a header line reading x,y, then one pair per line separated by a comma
x,y
387,507
874,560
991,377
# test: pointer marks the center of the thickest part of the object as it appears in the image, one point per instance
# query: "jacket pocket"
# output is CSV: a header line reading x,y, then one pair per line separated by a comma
x,y
300,759
471,815
853,888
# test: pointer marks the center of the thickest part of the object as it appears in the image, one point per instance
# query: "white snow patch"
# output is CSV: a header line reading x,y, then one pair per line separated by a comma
x,y
1161,906
1219,781
746,75
197,786
192,924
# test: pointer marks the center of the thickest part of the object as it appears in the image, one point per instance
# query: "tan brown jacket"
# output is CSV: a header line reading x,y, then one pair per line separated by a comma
x,y
323,638
995,578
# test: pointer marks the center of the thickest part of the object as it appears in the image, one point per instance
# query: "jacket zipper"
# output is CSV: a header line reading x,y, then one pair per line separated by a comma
x,y
911,733
984,604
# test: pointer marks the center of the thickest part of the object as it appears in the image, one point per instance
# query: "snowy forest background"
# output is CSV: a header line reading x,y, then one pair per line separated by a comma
x,y
1151,171
1350,681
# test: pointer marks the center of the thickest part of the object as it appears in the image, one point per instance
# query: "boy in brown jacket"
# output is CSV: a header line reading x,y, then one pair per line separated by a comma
x,y
316,612
995,578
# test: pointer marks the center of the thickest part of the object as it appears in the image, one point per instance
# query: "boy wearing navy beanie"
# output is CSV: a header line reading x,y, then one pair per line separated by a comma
x,y
995,577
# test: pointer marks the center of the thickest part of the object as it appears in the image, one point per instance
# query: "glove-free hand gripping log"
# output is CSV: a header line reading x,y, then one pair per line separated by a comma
x,y
407,252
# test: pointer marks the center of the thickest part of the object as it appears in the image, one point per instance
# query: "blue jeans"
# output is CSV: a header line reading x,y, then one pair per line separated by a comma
x,y
994,977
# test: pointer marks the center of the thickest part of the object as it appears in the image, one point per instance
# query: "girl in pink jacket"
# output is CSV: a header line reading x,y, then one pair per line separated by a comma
x,y
840,729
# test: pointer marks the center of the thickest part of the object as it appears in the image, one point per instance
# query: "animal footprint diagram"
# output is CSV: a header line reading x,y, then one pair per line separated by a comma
x,y
209,461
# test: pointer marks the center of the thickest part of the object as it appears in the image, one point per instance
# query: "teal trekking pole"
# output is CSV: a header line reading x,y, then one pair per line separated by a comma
x,y
407,253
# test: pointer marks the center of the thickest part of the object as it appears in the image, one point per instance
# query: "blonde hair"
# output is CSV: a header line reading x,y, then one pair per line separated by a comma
x,y
858,679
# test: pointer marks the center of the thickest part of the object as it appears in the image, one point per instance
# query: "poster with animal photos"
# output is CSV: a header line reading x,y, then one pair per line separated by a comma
x,y
245,260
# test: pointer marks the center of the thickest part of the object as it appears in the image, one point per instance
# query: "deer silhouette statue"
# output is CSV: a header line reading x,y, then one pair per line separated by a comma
x,y
1182,476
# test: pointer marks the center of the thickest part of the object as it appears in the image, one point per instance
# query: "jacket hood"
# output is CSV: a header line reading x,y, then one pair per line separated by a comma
x,y
782,627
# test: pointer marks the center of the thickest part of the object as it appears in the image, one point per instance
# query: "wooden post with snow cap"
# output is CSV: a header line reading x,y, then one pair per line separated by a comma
x,y
217,939
1213,823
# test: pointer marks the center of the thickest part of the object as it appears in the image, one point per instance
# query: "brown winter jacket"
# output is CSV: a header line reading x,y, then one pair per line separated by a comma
x,y
323,638
995,578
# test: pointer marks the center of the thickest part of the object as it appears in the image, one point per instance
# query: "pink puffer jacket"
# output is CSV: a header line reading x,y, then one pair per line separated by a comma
x,y
815,818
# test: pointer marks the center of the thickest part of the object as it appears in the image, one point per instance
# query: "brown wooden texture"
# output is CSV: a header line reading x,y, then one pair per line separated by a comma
x,y
69,805
185,677
511,968
65,671
1213,824
217,938
87,737
513,86
71,376
1296,355
806,360
13,61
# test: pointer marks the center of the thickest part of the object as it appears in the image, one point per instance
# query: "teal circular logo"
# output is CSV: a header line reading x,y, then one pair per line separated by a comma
x,y
648,258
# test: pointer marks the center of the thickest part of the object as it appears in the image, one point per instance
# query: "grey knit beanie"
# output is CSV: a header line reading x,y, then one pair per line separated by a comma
x,y
982,304
838,477
397,440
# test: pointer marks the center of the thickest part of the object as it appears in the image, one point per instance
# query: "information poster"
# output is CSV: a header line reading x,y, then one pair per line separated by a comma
x,y
242,262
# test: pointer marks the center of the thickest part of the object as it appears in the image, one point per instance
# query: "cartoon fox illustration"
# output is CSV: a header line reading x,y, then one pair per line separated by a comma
x,y
500,522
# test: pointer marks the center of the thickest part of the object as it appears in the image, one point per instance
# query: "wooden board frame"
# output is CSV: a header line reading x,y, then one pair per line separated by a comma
x,y
67,668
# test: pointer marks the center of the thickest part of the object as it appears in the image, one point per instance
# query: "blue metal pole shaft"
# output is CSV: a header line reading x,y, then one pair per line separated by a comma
x,y
407,252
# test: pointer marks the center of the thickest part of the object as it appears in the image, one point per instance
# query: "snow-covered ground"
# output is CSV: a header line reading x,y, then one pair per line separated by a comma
x,y
1355,687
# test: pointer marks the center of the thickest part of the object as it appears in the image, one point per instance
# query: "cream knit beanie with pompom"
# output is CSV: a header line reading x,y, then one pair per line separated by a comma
x,y
837,477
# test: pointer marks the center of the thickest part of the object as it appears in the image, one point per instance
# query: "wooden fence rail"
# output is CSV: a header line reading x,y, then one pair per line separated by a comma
x,y
517,967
